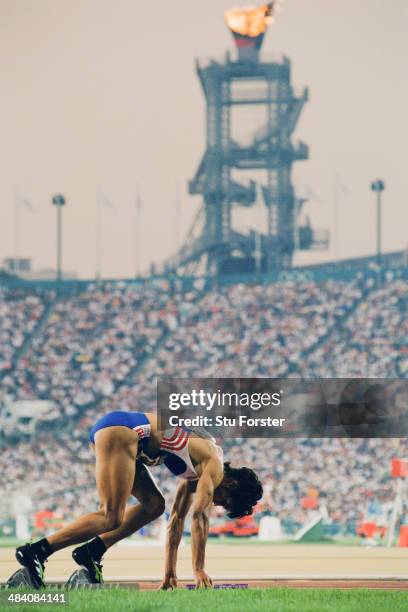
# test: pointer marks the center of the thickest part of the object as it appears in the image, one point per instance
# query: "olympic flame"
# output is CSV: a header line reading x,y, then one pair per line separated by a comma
x,y
250,20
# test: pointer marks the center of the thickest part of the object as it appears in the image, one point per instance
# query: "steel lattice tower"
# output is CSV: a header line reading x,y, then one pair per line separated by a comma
x,y
227,85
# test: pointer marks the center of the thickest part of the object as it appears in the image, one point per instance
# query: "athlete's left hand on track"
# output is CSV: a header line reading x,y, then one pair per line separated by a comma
x,y
203,581
169,583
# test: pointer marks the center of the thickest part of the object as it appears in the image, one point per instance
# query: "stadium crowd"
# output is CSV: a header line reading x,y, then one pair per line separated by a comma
x,y
19,313
372,343
90,345
103,348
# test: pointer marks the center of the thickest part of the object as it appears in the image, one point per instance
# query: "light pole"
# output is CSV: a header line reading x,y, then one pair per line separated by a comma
x,y
378,187
59,201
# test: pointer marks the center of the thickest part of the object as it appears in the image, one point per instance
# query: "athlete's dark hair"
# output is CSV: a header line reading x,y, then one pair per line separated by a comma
x,y
244,490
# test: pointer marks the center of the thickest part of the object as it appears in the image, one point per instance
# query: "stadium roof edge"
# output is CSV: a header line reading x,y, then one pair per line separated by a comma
x,y
344,269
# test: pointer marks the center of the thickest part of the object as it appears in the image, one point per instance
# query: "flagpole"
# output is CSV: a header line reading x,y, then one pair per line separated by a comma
x,y
98,232
138,206
335,218
177,219
16,224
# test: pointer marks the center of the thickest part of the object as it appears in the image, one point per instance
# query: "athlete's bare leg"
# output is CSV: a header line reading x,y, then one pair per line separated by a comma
x,y
151,506
115,450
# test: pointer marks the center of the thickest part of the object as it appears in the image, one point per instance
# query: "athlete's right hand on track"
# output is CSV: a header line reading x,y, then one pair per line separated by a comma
x,y
168,583
202,580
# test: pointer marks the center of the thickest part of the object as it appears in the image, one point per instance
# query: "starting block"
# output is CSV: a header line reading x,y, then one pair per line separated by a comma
x,y
79,580
21,579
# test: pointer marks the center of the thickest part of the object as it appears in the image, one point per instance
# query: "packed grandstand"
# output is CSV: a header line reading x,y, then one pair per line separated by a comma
x,y
101,347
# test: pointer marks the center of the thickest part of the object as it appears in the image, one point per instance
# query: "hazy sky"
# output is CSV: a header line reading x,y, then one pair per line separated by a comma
x,y
103,92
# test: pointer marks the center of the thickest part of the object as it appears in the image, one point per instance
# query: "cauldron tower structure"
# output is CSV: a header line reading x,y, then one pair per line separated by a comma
x,y
266,87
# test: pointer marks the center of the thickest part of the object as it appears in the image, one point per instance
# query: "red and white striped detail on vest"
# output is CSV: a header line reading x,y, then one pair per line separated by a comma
x,y
176,441
143,431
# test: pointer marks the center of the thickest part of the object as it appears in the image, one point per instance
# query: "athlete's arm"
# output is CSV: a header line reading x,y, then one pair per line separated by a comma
x,y
210,478
179,511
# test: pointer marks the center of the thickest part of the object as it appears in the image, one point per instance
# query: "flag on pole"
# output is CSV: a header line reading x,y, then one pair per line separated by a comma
x,y
341,187
26,203
105,202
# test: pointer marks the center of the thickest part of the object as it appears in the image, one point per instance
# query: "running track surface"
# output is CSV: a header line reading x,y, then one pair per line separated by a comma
x,y
256,565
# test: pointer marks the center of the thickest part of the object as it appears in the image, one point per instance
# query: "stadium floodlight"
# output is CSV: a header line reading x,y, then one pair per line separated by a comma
x,y
248,26
378,187
59,201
